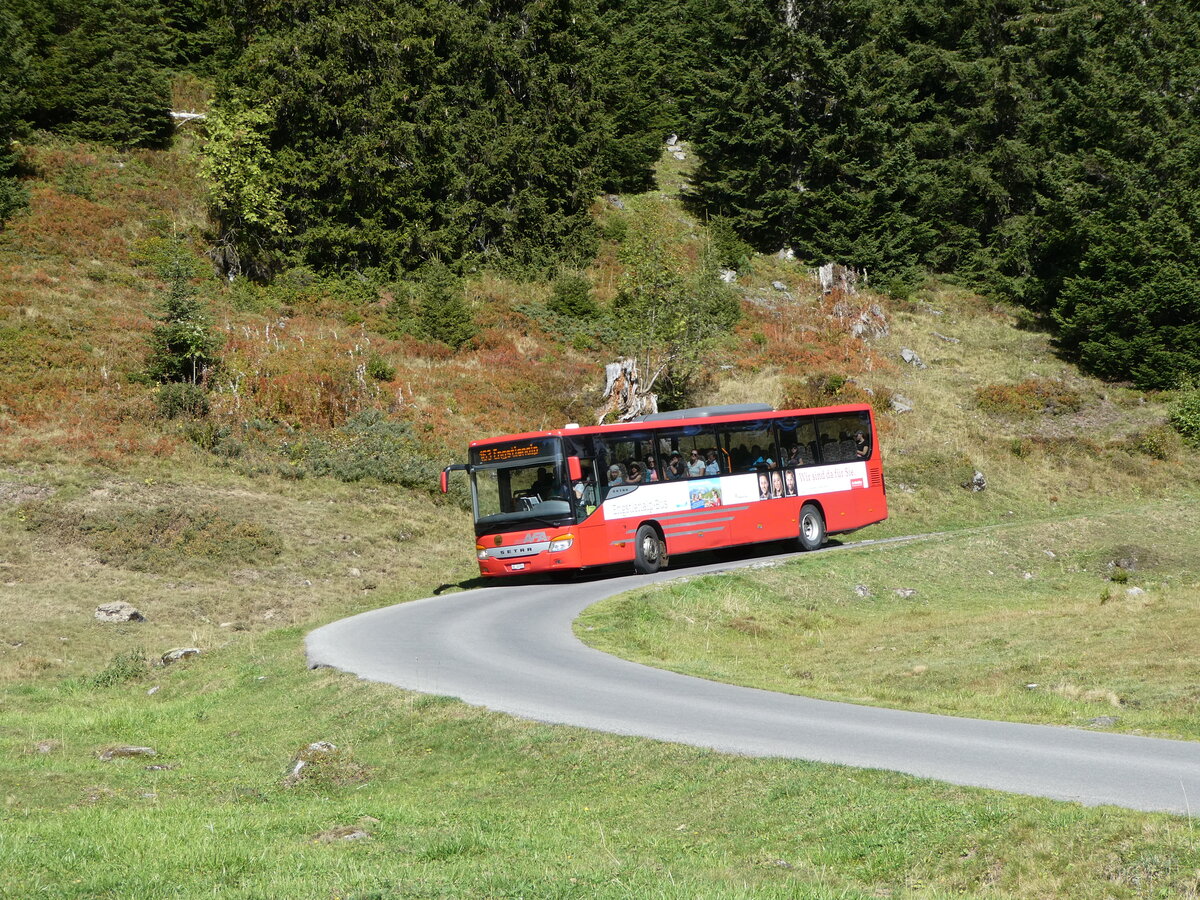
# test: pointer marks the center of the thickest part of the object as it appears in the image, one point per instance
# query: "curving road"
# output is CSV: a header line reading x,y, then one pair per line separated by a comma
x,y
510,648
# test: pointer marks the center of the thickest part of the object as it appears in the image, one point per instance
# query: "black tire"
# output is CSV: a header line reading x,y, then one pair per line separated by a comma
x,y
649,554
812,527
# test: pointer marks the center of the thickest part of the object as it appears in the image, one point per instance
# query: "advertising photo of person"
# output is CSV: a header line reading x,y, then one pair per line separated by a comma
x,y
764,485
789,483
776,483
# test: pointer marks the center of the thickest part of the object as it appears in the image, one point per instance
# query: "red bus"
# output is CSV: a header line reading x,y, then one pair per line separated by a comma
x,y
672,483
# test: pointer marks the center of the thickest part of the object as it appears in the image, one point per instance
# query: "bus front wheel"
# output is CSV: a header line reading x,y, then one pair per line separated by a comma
x,y
649,555
812,527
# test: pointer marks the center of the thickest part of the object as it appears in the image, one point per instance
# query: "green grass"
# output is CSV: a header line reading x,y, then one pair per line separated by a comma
x,y
459,802
1028,621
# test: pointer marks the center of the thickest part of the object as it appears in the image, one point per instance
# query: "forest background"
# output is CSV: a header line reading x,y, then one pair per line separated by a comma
x,y
1045,153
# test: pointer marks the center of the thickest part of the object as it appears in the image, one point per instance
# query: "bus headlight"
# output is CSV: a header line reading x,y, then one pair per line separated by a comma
x,y
481,551
561,543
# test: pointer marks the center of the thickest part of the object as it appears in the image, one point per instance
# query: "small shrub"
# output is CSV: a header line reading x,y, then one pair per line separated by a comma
x,y
182,400
74,180
123,667
1185,414
1027,398
216,439
822,390
572,297
380,369
1158,443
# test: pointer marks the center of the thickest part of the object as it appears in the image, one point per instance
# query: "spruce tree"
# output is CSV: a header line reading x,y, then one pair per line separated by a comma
x,y
14,104
444,314
100,69
183,348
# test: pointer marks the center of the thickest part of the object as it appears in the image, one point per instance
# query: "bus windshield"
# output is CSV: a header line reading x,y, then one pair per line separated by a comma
x,y
520,484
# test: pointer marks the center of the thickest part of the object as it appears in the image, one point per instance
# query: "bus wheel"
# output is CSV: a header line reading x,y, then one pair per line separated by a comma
x,y
648,555
812,527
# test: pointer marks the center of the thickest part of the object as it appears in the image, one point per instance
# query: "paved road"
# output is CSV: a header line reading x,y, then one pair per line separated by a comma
x,y
510,648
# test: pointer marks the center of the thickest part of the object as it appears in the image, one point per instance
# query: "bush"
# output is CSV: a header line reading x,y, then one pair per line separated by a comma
x,y
182,399
822,390
128,666
1185,414
1157,443
572,296
380,369
1027,398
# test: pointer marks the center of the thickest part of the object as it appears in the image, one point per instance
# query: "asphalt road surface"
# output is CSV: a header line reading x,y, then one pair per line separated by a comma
x,y
510,648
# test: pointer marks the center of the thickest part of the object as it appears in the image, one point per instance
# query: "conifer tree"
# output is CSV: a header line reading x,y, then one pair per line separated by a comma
x,y
14,104
99,69
183,348
404,131
444,314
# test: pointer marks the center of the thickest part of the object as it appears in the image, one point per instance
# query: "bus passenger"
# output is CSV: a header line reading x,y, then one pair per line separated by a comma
x,y
615,475
711,466
695,464
651,469
635,473
675,469
862,449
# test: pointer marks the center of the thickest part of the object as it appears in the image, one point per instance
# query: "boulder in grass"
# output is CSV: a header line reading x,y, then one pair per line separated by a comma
x,y
118,611
126,752
179,653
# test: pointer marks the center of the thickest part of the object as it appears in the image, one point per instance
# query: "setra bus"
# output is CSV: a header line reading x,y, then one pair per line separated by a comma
x,y
672,483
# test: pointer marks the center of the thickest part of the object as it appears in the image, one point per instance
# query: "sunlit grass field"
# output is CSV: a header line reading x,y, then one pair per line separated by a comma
x,y
455,802
1083,620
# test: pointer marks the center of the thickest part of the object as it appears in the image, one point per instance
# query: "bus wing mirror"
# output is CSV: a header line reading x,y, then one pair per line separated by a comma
x,y
445,480
574,468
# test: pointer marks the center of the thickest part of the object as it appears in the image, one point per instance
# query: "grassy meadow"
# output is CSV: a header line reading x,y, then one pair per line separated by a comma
x,y
304,495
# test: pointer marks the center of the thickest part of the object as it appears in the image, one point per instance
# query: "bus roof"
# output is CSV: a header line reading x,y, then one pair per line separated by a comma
x,y
708,415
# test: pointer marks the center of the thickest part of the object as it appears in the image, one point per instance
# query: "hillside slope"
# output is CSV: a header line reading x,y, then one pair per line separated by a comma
x,y
306,493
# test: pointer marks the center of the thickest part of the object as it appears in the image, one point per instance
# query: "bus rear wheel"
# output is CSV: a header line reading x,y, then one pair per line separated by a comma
x,y
649,555
812,527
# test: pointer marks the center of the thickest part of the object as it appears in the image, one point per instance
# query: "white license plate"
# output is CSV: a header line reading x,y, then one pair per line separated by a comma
x,y
516,566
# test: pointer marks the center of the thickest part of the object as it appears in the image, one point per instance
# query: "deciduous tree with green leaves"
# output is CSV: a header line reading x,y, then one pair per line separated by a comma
x,y
672,307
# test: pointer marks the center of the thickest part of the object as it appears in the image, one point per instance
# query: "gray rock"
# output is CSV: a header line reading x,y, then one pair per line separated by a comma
x,y
779,286
341,833
786,253
976,483
355,573
729,276
126,752
1104,721
679,155
910,356
179,653
942,337
614,201
1134,592
672,140
905,592
118,611
862,590
46,746
900,404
